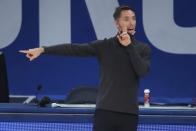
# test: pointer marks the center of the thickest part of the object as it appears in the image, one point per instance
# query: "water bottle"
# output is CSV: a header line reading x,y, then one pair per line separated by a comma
x,y
146,98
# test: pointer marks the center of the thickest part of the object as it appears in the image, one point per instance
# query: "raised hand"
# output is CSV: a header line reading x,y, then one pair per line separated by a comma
x,y
124,37
32,53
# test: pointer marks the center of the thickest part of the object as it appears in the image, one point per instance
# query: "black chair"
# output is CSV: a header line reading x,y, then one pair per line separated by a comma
x,y
82,95
4,92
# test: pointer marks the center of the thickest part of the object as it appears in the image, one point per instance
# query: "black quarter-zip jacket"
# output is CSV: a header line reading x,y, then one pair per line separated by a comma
x,y
121,67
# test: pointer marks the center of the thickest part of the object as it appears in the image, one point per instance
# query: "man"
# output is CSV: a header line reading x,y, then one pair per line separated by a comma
x,y
122,60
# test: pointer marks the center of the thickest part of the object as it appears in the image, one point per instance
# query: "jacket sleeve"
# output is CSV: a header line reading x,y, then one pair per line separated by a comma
x,y
79,50
140,61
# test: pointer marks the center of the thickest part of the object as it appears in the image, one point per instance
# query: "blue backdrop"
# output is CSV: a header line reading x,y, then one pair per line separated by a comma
x,y
173,65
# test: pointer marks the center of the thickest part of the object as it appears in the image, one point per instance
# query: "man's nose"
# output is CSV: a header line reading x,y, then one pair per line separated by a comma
x,y
131,24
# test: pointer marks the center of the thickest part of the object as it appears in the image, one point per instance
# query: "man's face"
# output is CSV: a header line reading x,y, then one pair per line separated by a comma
x,y
126,22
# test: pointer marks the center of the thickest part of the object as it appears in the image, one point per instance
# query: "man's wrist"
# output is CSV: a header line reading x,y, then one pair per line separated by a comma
x,y
128,44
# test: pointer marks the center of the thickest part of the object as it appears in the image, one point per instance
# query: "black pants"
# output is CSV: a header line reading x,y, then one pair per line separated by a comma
x,y
114,121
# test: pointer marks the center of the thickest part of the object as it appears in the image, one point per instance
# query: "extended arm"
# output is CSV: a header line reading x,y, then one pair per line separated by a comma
x,y
80,50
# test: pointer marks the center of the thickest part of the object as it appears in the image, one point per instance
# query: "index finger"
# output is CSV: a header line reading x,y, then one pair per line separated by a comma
x,y
124,27
23,51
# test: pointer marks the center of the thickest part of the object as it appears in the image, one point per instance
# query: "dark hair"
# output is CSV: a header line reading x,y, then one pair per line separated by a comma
x,y
118,10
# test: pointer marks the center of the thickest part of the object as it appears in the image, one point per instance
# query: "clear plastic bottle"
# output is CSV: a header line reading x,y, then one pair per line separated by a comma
x,y
146,98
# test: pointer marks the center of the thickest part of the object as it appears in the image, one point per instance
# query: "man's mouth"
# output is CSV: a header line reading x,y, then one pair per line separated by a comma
x,y
130,29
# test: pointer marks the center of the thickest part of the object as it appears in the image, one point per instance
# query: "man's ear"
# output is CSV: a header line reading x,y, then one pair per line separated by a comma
x,y
117,24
